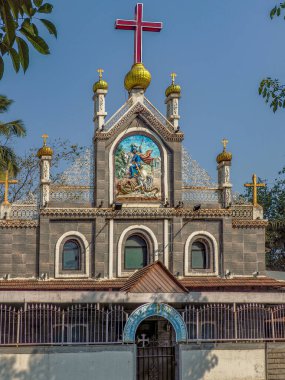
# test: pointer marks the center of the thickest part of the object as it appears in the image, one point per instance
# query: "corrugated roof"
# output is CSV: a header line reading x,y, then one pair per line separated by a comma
x,y
154,278
236,282
148,279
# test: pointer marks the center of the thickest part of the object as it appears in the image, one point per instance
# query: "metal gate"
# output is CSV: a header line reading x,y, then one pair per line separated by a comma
x,y
156,363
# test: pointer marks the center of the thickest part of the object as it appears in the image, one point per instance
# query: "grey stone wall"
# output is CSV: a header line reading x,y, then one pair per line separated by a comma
x,y
51,231
18,252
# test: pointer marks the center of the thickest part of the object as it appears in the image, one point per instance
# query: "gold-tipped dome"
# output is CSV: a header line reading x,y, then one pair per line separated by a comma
x,y
100,84
45,150
224,156
174,88
137,77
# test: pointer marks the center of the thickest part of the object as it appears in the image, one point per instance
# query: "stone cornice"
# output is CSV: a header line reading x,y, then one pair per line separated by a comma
x,y
138,212
139,108
249,223
10,223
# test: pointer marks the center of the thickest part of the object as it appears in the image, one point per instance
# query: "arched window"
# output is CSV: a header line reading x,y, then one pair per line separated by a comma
x,y
135,253
71,255
199,258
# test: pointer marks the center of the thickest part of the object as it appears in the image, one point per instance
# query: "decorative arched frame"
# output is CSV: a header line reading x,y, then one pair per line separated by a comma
x,y
213,252
155,309
164,155
84,245
147,234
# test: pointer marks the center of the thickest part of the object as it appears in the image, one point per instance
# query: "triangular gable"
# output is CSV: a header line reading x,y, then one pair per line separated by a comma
x,y
154,278
147,112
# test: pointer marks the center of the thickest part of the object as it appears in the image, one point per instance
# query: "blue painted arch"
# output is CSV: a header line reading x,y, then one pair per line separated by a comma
x,y
150,310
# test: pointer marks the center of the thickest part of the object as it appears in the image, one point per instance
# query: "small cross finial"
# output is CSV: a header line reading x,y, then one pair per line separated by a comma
x,y
254,186
100,71
225,143
45,137
173,76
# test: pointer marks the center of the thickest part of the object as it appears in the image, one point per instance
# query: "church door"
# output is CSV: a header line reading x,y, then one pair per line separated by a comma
x,y
155,339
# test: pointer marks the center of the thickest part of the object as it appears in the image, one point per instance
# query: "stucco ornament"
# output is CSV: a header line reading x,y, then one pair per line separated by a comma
x,y
155,309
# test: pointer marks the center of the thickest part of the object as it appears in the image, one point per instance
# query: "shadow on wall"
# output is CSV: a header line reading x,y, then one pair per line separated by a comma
x,y
202,361
28,367
195,359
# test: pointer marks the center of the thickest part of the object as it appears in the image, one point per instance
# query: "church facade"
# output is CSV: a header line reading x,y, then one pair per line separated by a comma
x,y
141,269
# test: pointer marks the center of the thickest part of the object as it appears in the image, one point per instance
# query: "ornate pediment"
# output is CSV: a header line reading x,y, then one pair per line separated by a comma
x,y
148,113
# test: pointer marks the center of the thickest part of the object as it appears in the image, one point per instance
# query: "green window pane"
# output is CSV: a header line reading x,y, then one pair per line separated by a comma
x,y
135,253
71,256
198,256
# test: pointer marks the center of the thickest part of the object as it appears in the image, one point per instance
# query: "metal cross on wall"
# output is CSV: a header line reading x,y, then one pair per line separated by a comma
x,y
254,186
7,182
138,25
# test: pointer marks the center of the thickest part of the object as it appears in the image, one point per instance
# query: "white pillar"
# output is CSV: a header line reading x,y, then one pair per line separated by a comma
x,y
99,108
172,109
225,183
45,162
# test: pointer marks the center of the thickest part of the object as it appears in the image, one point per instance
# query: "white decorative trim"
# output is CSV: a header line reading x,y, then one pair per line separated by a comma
x,y
120,246
86,255
166,243
111,168
215,254
111,247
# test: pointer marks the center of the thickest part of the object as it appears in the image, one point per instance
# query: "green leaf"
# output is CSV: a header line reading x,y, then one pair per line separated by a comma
x,y
273,12
15,59
30,28
23,49
38,3
1,67
38,43
45,8
10,26
50,26
14,6
278,12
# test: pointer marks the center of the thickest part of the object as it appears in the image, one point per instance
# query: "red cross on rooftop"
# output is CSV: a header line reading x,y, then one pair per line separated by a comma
x,y
138,25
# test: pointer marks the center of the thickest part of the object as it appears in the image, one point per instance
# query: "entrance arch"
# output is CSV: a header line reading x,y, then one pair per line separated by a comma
x,y
151,310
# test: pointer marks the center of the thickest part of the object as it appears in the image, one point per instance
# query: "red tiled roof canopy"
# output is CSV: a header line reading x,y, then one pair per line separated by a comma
x,y
154,278
158,283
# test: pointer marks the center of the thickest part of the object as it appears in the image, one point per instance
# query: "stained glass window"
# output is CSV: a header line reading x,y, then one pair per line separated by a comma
x,y
71,255
135,253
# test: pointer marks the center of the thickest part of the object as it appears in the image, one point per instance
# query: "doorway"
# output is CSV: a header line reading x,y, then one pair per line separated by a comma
x,y
156,341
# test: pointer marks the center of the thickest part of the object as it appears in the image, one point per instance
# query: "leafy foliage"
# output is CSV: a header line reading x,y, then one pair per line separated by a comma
x,y
277,10
18,30
273,92
273,201
65,153
270,89
9,130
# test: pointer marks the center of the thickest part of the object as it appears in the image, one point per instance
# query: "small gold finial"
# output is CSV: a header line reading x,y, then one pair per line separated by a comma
x,y
254,186
173,76
45,137
100,71
6,182
225,143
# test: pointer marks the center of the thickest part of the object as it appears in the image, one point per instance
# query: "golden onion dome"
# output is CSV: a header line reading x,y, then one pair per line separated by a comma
x,y
174,88
224,156
101,84
45,150
138,77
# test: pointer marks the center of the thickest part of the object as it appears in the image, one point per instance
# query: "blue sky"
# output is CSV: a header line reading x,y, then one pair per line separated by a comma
x,y
220,50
